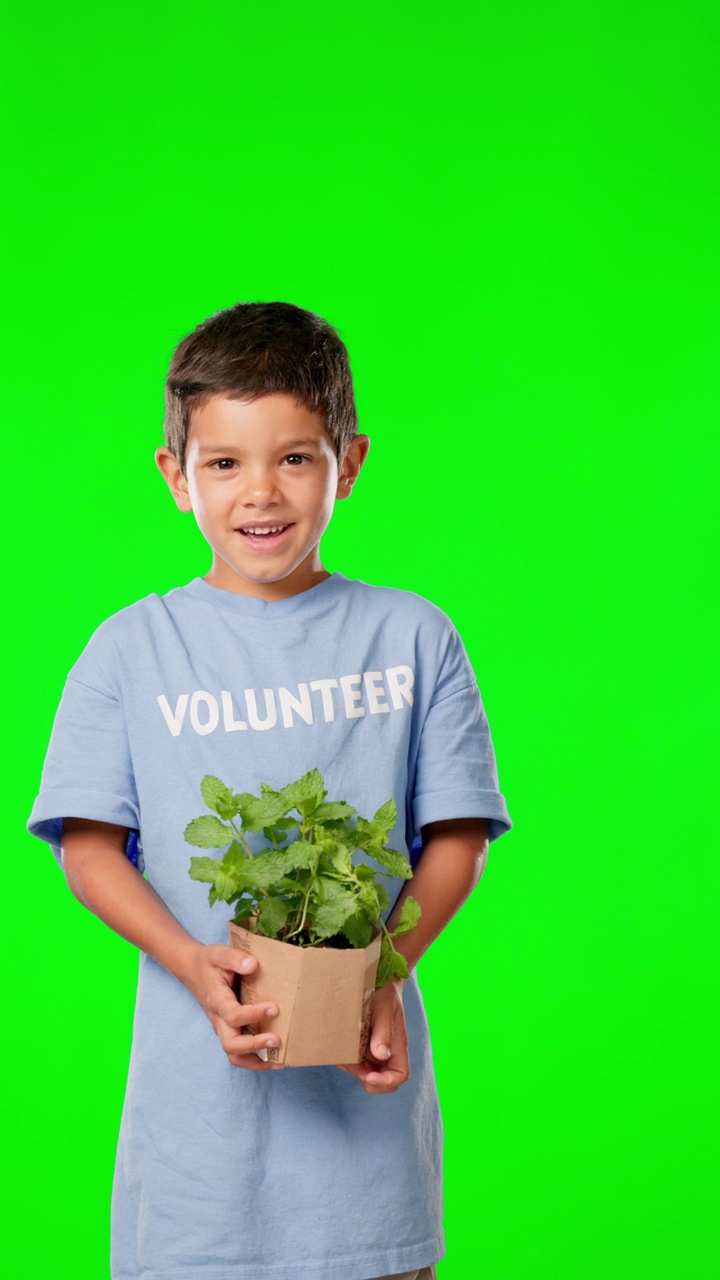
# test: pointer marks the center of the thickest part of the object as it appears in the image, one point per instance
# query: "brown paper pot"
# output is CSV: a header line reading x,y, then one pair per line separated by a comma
x,y
324,997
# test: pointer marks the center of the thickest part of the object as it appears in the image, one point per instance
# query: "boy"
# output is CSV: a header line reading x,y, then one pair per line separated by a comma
x,y
229,1168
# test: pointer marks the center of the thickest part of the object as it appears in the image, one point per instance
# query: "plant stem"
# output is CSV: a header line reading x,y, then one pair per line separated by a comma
x,y
242,840
301,925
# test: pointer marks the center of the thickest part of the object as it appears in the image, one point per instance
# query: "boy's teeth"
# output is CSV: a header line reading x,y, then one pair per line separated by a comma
x,y
278,528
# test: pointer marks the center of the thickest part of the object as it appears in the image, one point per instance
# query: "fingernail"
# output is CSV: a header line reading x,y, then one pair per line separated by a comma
x,y
271,1010
246,964
382,1051
272,1042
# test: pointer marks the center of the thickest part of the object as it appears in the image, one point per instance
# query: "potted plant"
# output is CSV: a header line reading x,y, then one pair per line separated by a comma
x,y
309,913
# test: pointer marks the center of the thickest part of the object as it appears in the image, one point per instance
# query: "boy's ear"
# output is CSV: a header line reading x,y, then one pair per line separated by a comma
x,y
350,469
176,481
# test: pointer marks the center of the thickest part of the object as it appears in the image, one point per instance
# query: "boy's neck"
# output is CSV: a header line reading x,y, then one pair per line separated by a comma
x,y
268,591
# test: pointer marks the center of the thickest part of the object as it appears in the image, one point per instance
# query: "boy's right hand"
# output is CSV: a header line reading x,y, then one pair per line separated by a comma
x,y
210,979
100,876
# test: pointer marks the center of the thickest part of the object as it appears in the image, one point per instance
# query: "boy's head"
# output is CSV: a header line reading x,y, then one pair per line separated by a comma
x,y
255,349
262,441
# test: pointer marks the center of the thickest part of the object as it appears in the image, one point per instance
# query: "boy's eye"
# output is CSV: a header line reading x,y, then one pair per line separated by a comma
x,y
227,464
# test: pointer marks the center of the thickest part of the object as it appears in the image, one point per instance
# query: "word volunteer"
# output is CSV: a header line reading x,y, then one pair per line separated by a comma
x,y
375,692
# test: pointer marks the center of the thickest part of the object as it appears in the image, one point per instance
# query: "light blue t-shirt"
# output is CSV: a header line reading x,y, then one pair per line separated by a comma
x,y
224,1174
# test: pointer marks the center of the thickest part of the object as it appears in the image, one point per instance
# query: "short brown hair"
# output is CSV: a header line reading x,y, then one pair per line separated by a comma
x,y
254,349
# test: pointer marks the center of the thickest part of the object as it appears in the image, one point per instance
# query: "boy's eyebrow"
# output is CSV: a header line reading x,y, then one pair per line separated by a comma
x,y
230,448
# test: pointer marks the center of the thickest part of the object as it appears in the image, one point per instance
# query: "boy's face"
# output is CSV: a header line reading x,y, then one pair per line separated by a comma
x,y
266,464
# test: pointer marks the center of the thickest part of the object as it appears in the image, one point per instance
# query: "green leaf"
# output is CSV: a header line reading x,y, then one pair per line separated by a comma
x,y
394,862
361,835
246,907
242,799
332,914
233,873
392,964
340,858
384,820
274,864
289,888
358,930
260,811
311,787
208,833
364,872
272,916
385,967
277,832
341,828
204,869
325,842
328,889
369,896
217,796
333,811
281,827
409,916
224,874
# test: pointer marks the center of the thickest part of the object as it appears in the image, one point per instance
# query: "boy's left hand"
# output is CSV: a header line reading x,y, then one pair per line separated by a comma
x,y
386,1065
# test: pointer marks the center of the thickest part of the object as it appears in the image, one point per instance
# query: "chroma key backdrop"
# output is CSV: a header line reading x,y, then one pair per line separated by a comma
x,y
511,214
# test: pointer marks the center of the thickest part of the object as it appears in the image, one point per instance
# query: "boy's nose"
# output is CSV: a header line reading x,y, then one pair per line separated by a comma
x,y
260,489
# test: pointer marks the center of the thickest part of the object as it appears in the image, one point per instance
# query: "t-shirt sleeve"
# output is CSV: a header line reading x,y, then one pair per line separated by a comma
x,y
88,769
456,774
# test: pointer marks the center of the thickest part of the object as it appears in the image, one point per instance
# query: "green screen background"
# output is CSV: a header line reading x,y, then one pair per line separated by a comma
x,y
511,214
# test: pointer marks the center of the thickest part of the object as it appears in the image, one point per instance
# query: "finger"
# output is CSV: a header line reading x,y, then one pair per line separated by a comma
x,y
240,1045
231,958
374,1080
380,1077
381,1037
383,1081
243,1015
251,1062
386,1077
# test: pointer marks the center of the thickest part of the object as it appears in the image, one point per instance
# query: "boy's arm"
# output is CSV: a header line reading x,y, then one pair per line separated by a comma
x,y
101,877
453,859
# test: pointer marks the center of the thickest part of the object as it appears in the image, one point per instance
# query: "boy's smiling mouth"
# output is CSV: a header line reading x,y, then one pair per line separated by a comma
x,y
263,532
